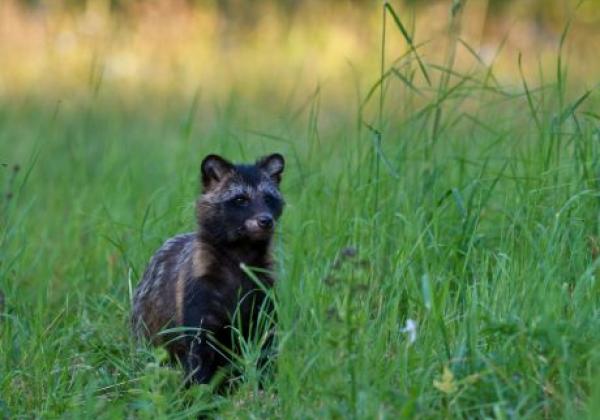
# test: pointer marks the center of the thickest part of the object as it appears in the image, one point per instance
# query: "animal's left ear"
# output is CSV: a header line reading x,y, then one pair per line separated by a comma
x,y
272,165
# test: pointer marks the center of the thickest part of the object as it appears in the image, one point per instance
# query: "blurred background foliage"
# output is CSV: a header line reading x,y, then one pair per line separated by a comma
x,y
542,11
68,49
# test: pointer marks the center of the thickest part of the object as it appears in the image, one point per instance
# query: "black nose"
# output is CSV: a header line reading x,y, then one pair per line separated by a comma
x,y
265,221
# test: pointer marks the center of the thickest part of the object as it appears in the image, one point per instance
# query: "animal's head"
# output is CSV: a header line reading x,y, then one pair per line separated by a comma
x,y
240,203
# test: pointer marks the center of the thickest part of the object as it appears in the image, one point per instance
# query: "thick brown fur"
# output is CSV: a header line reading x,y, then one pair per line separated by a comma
x,y
196,280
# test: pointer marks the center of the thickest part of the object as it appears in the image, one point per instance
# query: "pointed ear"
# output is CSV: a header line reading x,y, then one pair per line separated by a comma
x,y
214,168
272,165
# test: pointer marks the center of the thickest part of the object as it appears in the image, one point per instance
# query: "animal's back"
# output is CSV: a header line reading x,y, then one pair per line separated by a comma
x,y
153,302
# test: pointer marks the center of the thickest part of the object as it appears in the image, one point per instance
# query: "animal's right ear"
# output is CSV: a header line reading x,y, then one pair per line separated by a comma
x,y
214,169
273,165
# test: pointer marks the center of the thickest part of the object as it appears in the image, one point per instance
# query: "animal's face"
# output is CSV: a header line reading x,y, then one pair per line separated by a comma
x,y
240,202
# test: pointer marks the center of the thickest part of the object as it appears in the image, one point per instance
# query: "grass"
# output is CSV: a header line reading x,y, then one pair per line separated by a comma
x,y
467,206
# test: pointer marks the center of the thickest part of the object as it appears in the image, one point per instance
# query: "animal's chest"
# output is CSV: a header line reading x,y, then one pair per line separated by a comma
x,y
246,297
240,298
231,298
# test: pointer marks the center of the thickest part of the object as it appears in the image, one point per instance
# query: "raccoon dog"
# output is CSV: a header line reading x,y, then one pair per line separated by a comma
x,y
196,280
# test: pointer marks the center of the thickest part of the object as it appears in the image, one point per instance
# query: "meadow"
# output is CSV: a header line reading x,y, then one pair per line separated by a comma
x,y
438,256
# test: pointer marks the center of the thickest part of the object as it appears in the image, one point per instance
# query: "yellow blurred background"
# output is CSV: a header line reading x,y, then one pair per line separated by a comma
x,y
71,49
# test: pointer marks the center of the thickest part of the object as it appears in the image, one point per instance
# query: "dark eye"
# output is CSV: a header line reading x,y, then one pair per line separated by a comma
x,y
270,199
240,200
